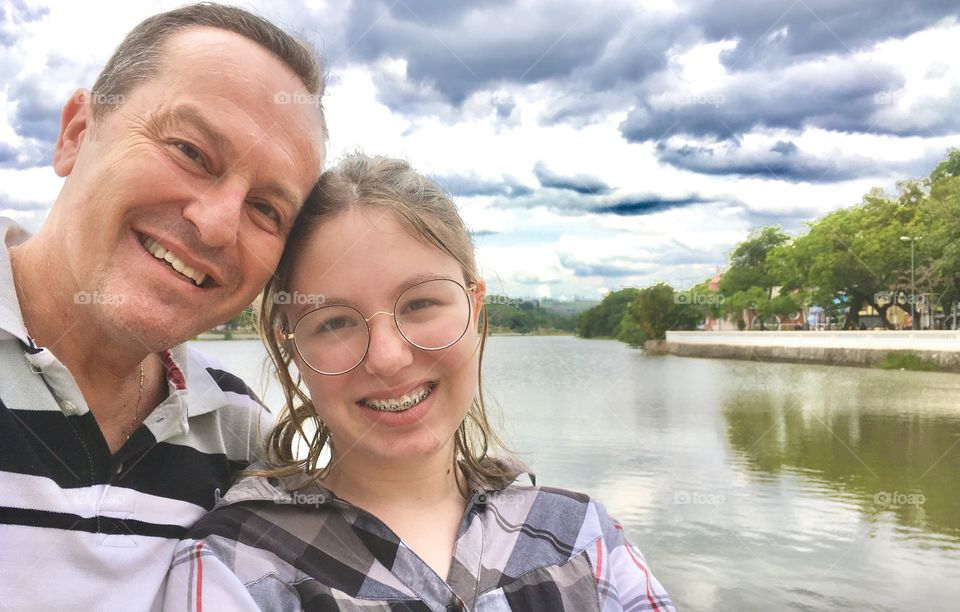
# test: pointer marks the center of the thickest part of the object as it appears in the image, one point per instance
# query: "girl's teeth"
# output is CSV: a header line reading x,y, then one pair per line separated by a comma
x,y
400,404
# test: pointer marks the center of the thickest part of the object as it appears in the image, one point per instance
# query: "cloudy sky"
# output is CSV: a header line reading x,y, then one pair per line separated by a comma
x,y
589,145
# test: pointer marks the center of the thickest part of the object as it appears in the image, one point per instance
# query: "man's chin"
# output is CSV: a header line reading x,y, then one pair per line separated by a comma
x,y
157,330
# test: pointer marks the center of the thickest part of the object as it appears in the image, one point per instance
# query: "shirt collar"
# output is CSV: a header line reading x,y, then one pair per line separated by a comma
x,y
184,370
205,394
11,317
301,490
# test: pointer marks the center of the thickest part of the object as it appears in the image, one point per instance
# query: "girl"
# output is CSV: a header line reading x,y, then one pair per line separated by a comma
x,y
396,505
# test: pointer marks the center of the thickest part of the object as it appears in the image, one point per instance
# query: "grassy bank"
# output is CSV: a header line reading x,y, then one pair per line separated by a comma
x,y
905,360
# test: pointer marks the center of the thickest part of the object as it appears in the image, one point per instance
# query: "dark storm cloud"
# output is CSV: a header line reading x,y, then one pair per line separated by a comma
x,y
591,56
573,203
20,14
785,161
29,153
38,101
840,95
38,114
614,267
580,183
774,33
647,205
472,185
466,47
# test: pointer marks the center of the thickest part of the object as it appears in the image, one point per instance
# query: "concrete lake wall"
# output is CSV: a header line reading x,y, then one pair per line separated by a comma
x,y
855,348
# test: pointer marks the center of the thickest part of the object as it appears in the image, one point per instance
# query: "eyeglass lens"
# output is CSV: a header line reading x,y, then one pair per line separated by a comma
x,y
431,315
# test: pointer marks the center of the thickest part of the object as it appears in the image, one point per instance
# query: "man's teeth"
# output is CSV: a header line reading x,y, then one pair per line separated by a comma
x,y
399,404
154,248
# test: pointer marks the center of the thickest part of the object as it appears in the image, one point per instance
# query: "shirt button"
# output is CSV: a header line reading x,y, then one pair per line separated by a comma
x,y
68,406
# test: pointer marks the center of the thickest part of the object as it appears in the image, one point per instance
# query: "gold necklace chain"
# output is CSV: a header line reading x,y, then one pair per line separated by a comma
x,y
136,413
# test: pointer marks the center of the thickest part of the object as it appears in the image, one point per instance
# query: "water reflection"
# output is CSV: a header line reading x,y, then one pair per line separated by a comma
x,y
748,486
899,464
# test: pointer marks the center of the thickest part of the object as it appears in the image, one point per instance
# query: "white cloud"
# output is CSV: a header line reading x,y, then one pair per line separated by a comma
x,y
504,129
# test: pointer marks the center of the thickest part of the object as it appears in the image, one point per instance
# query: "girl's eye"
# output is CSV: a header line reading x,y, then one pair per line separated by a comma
x,y
334,324
419,304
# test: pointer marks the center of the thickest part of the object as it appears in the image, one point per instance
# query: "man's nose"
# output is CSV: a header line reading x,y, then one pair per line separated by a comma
x,y
389,352
216,213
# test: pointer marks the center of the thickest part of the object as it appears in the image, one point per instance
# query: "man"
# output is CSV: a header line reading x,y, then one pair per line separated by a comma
x,y
184,169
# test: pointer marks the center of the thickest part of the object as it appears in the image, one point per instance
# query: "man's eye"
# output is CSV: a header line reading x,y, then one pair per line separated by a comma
x,y
188,150
267,210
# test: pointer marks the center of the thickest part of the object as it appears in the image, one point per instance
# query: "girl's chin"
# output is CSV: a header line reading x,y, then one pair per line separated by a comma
x,y
405,451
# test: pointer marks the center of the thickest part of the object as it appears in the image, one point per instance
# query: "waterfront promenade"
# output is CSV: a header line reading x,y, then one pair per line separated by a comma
x,y
863,348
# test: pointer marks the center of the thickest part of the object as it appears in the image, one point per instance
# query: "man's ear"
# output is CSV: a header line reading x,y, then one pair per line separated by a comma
x,y
75,120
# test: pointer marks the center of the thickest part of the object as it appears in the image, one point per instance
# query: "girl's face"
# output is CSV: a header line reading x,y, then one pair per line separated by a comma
x,y
366,259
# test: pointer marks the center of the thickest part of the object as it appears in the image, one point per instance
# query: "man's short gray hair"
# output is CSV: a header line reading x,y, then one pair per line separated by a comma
x,y
140,56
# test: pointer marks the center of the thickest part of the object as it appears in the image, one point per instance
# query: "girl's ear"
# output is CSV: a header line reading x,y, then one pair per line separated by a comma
x,y
278,330
478,297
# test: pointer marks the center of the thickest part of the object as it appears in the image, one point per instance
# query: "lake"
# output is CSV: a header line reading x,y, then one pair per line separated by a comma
x,y
748,486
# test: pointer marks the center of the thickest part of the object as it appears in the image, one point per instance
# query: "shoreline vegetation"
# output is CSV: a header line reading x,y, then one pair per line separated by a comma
x,y
887,263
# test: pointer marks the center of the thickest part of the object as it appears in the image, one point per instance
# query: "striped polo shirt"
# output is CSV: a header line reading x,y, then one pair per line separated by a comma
x,y
81,529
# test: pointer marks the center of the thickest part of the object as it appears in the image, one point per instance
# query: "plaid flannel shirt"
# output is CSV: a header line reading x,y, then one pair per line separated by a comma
x,y
279,545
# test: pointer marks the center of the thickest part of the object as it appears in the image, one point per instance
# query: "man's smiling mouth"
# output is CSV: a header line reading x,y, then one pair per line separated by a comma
x,y
175,263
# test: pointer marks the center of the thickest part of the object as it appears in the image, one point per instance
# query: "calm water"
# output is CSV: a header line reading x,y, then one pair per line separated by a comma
x,y
747,486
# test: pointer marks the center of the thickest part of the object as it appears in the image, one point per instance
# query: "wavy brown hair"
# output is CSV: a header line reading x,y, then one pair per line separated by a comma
x,y
362,182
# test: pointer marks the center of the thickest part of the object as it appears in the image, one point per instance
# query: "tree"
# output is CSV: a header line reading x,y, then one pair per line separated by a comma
x,y
749,282
655,310
852,252
603,320
938,221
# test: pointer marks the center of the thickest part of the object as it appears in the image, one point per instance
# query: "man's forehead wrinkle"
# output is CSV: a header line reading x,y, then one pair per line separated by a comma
x,y
294,149
195,115
314,148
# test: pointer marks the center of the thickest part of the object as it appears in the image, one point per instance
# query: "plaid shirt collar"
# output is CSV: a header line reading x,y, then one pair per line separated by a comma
x,y
302,490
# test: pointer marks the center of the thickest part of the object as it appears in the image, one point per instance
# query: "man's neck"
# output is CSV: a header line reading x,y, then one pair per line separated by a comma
x,y
106,370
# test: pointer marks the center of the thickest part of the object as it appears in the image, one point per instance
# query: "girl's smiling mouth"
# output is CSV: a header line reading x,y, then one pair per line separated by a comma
x,y
402,403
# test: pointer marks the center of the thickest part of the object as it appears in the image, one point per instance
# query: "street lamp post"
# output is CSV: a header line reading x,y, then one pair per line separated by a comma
x,y
913,285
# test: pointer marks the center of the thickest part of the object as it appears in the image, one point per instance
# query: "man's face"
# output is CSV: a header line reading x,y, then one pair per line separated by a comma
x,y
201,169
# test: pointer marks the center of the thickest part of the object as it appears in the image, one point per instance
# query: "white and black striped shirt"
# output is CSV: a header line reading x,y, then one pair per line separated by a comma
x,y
81,529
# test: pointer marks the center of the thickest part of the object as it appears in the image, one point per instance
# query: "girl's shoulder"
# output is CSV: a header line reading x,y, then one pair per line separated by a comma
x,y
571,518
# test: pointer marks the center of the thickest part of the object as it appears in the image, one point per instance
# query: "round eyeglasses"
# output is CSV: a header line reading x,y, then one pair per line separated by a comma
x,y
431,315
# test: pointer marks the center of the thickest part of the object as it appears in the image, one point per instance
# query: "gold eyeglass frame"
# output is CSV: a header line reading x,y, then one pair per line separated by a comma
x,y
291,335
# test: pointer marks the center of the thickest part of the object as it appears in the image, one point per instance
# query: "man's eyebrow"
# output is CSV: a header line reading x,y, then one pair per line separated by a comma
x,y
186,114
189,114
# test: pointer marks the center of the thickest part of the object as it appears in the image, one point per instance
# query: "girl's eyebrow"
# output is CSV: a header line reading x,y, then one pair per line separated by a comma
x,y
399,287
